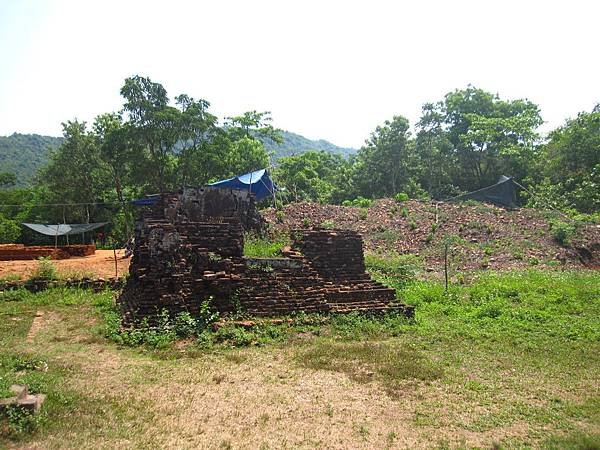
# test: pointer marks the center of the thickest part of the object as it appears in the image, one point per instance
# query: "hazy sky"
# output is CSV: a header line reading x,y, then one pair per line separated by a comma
x,y
325,69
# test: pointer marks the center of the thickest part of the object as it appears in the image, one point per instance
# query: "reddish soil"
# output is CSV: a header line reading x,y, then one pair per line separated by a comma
x,y
101,264
483,236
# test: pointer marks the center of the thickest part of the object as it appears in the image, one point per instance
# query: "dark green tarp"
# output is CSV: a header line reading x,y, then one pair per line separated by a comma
x,y
64,229
503,193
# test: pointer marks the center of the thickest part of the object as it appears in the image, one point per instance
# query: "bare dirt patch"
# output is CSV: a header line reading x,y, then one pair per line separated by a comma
x,y
101,264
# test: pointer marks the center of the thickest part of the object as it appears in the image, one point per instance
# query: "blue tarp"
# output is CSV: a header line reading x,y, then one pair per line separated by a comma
x,y
258,183
144,201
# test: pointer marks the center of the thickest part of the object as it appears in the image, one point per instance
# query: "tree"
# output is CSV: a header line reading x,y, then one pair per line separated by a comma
x,y
7,179
385,165
75,172
155,123
198,129
312,175
570,163
252,124
488,136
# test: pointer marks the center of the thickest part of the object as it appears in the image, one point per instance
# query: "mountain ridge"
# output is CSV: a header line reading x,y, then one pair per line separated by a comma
x,y
25,154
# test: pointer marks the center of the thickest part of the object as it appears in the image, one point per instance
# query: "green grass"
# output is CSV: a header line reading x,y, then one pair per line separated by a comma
x,y
504,350
263,247
367,361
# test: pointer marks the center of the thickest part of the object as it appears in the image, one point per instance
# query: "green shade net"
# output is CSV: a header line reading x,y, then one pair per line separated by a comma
x,y
64,229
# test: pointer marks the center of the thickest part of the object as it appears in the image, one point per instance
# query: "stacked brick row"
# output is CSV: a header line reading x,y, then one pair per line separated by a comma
x,y
14,252
182,257
335,254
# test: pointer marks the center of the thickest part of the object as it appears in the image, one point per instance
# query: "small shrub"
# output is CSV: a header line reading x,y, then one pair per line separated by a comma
x,y
306,222
412,225
363,214
329,224
45,270
279,216
20,421
261,247
401,197
562,232
358,202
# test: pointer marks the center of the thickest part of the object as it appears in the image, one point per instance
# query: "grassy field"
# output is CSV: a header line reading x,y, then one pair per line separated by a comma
x,y
508,360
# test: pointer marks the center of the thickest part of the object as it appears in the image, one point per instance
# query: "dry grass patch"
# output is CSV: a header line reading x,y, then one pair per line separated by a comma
x,y
392,364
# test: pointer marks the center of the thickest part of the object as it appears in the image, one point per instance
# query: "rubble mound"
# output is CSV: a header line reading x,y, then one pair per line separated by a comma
x,y
183,256
484,236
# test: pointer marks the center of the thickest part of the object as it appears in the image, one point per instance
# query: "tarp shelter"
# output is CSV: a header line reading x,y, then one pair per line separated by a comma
x,y
503,193
64,229
258,183
144,201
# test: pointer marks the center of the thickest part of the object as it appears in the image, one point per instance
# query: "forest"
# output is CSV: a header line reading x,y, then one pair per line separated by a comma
x,y
462,142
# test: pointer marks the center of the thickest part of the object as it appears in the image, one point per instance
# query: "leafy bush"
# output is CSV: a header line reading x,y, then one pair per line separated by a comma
x,y
329,224
279,216
264,247
562,232
10,231
401,197
45,270
167,329
358,202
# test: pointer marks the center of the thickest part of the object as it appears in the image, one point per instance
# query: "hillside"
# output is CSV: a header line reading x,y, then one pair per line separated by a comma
x,y
483,236
24,154
294,143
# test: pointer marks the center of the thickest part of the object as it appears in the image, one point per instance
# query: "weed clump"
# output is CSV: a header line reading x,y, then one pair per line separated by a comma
x,y
45,270
358,202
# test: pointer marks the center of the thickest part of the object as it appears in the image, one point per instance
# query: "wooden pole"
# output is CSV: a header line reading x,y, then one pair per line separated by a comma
x,y
446,264
116,267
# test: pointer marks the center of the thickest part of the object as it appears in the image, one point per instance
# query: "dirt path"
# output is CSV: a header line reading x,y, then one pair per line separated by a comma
x,y
101,264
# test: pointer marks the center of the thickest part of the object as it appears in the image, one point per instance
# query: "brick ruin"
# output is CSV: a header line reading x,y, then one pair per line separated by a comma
x,y
14,252
184,255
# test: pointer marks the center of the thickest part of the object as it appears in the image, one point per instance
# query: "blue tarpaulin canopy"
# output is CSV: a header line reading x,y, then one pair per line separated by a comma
x,y
258,183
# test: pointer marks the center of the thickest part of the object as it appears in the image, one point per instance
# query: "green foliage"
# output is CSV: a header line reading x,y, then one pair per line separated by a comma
x,y
264,247
358,202
293,144
401,197
472,137
562,231
312,176
7,179
402,268
522,308
10,230
45,270
384,166
570,165
159,335
24,154
328,224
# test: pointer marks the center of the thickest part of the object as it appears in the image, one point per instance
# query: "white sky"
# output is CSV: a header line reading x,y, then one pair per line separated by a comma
x,y
325,69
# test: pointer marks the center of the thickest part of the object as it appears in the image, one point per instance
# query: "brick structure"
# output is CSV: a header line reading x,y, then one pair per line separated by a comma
x,y
182,257
14,252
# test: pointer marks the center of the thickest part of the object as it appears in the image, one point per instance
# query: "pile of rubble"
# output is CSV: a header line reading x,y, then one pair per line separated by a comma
x,y
23,399
182,256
